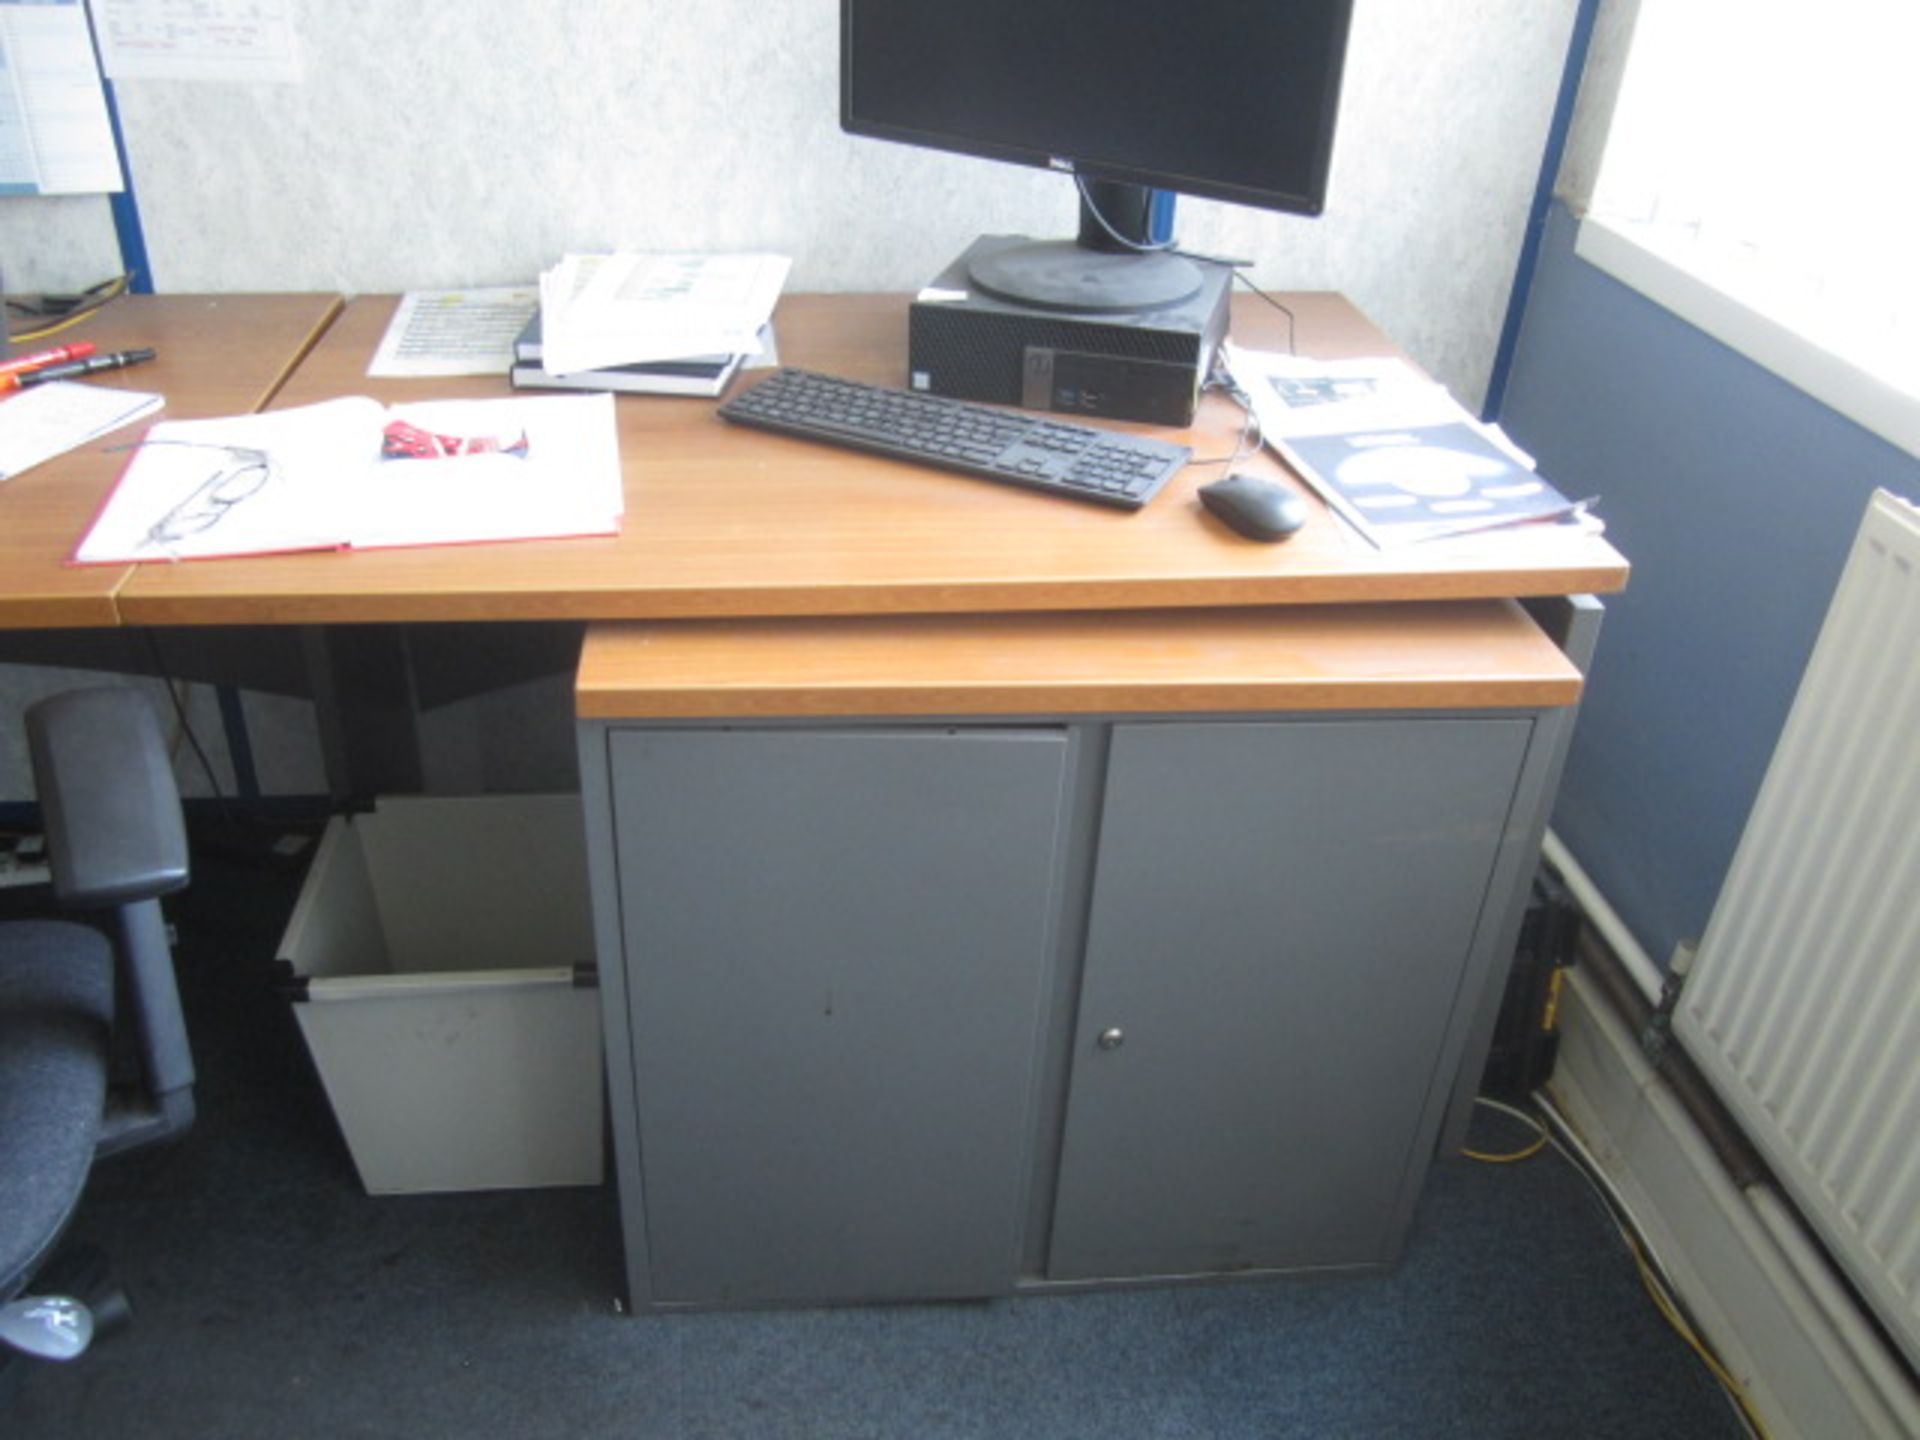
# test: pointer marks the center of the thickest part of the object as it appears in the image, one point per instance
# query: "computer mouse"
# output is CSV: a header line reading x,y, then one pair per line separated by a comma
x,y
1254,506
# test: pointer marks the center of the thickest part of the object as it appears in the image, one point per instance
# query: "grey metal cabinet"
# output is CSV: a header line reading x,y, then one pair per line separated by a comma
x,y
1280,921
958,1009
835,945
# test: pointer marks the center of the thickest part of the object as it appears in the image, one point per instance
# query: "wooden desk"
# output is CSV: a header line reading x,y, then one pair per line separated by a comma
x,y
911,788
725,521
218,355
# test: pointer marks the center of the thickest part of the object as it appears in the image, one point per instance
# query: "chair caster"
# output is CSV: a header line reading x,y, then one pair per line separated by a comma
x,y
47,1327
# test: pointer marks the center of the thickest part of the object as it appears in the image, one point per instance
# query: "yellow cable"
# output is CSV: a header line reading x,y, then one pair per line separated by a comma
x,y
1663,1302
1651,1278
111,290
1515,1156
1511,1158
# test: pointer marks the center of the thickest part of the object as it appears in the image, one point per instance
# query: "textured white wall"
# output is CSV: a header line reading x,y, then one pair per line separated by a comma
x,y
439,144
1599,89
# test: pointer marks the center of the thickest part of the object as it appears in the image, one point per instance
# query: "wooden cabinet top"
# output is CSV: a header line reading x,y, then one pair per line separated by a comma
x,y
1485,654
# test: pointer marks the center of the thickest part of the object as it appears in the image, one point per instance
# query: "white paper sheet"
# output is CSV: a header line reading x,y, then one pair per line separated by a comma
x,y
455,332
569,483
55,138
627,309
235,40
43,421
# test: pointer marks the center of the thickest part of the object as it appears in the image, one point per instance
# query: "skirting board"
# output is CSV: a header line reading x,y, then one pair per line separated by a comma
x,y
1768,1328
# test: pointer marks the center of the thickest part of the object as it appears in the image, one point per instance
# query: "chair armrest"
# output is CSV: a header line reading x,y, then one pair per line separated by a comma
x,y
107,798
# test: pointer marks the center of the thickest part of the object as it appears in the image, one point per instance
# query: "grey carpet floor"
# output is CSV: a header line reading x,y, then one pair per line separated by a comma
x,y
277,1300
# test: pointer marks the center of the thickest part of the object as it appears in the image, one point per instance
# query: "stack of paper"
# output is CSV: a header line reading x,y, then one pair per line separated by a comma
x,y
703,375
599,312
43,421
1393,453
352,473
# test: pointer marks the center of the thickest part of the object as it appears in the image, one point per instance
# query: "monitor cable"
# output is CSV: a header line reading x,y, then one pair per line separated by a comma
x,y
1233,266
1138,247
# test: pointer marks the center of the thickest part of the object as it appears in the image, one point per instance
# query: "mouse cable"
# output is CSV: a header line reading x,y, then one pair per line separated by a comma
x,y
1250,438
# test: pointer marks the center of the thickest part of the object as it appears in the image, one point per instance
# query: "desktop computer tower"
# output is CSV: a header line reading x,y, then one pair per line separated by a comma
x,y
1121,365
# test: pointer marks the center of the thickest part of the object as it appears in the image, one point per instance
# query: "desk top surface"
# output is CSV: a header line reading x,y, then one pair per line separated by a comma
x,y
724,521
218,355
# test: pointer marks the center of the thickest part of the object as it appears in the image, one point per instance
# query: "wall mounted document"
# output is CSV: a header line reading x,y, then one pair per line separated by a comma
x,y
232,40
352,473
55,136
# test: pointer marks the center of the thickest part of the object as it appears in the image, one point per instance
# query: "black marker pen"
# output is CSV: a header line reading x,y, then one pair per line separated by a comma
x,y
119,360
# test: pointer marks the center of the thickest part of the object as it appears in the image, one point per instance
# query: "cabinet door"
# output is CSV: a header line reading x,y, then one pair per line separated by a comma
x,y
835,945
1280,918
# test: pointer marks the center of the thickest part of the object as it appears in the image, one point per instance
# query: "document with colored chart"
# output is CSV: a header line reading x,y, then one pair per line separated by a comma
x,y
1392,452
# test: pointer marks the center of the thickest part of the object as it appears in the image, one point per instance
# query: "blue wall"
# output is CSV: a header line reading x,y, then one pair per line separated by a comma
x,y
1735,497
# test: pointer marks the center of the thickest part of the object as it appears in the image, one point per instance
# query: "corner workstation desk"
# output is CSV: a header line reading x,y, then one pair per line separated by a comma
x,y
995,893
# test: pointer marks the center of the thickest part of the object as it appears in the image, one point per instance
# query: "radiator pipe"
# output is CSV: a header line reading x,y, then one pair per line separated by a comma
x,y
1627,950
1632,985
1635,986
1890,1382
1742,1163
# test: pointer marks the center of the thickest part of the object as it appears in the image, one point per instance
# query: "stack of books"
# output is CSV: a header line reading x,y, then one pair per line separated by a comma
x,y
649,324
691,375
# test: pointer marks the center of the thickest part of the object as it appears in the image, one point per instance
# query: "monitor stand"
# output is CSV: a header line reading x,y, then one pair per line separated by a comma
x,y
1063,275
1112,267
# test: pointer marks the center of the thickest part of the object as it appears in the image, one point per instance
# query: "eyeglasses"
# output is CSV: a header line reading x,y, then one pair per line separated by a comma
x,y
243,475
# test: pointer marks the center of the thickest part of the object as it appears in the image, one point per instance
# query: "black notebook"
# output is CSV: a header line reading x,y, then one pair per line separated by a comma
x,y
695,375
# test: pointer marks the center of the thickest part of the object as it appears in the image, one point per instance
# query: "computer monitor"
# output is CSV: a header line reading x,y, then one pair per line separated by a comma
x,y
1225,99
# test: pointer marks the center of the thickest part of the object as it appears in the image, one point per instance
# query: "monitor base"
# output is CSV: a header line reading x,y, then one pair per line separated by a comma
x,y
1065,275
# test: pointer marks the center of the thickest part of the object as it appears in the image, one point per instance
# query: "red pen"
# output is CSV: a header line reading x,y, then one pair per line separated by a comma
x,y
59,354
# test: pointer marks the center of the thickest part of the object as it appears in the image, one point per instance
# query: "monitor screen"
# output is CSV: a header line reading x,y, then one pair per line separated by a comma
x,y
1226,99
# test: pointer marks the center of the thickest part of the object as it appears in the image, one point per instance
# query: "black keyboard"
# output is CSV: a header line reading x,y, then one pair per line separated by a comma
x,y
1057,456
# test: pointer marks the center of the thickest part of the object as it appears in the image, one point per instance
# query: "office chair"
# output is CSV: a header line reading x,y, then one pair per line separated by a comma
x,y
93,1049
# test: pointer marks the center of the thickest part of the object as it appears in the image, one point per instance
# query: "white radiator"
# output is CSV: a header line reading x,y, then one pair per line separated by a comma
x,y
1803,1005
